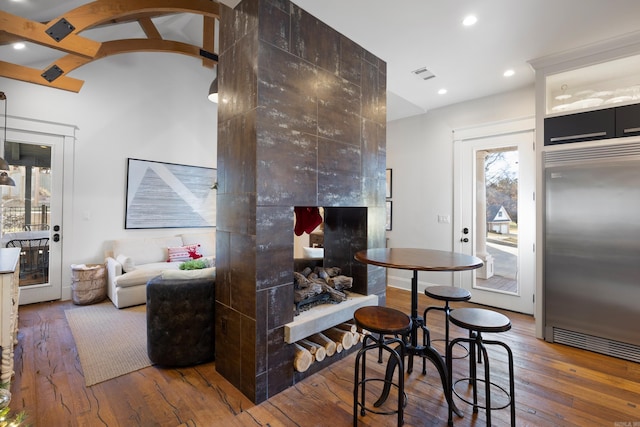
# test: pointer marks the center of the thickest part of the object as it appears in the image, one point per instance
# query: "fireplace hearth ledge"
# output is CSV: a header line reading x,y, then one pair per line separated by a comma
x,y
325,316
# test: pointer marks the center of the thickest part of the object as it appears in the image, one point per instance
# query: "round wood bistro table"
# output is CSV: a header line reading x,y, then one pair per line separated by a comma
x,y
420,260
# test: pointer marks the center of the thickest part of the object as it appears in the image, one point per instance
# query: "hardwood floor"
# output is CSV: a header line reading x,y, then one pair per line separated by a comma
x,y
556,385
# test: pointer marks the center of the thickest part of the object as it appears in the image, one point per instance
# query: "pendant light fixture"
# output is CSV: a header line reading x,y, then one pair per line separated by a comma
x,y
5,179
213,89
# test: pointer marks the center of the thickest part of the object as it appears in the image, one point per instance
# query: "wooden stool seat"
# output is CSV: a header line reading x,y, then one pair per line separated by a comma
x,y
387,327
382,320
447,293
478,321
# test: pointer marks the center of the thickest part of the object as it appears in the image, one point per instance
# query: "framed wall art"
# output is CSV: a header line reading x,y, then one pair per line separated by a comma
x,y
169,195
389,216
389,176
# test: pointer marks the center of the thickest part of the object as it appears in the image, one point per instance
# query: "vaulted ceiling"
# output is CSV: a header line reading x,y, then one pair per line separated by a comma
x,y
64,35
467,61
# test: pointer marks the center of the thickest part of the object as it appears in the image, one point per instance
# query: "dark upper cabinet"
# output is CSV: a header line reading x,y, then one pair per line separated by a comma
x,y
592,125
628,120
587,126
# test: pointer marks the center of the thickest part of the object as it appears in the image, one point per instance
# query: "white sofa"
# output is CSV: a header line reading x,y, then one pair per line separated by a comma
x,y
133,261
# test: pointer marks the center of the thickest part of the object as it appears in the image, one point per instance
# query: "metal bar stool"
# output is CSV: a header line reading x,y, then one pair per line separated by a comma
x,y
387,327
477,321
446,294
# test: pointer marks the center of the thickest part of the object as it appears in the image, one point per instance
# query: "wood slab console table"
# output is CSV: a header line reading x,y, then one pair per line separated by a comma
x,y
420,260
9,295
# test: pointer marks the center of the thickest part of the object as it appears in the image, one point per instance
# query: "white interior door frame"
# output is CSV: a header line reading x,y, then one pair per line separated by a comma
x,y
463,140
61,138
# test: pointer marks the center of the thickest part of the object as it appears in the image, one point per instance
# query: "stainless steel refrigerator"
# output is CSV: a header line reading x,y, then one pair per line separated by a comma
x,y
592,249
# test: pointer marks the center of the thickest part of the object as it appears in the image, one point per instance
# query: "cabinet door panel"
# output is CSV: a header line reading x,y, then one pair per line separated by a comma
x,y
628,120
587,126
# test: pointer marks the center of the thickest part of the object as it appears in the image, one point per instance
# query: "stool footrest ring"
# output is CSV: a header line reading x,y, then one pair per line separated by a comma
x,y
464,356
504,391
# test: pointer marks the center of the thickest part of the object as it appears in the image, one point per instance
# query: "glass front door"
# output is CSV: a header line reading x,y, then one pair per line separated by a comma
x,y
26,209
32,209
497,219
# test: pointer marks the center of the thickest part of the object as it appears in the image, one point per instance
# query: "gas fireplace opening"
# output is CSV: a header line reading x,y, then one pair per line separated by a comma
x,y
319,285
328,285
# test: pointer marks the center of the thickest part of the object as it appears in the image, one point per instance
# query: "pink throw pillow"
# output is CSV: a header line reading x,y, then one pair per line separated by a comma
x,y
184,253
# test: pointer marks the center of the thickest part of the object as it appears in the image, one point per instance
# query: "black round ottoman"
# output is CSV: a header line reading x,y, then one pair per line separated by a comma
x,y
180,321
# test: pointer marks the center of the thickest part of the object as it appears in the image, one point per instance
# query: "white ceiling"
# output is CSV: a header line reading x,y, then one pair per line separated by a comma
x,y
410,34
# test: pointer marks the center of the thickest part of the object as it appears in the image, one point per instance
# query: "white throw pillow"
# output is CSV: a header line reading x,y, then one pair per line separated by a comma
x,y
145,250
127,263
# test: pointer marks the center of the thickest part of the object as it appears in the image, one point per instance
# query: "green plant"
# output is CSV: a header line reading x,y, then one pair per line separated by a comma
x,y
7,418
194,264
11,420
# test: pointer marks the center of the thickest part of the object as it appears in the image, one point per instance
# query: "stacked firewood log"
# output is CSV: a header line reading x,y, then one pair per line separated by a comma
x,y
325,344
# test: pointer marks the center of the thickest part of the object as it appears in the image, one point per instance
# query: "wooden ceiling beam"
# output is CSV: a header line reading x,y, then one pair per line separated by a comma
x,y
101,11
6,38
31,75
115,47
69,63
36,32
134,17
81,51
208,39
149,28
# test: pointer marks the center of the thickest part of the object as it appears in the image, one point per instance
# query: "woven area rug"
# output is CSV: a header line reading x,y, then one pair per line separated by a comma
x,y
110,342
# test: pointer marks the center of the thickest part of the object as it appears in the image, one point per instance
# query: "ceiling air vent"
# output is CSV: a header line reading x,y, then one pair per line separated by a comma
x,y
423,73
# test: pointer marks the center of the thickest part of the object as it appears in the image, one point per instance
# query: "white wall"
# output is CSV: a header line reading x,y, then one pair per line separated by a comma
x,y
153,106
420,152
149,106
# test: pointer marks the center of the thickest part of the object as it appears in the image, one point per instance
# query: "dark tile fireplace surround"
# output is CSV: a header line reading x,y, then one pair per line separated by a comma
x,y
301,122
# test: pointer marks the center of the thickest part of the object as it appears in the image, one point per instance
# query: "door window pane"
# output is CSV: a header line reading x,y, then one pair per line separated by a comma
x,y
500,215
25,209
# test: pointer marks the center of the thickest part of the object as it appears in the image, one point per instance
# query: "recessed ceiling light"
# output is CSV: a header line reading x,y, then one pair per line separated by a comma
x,y
442,91
19,45
509,73
469,20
